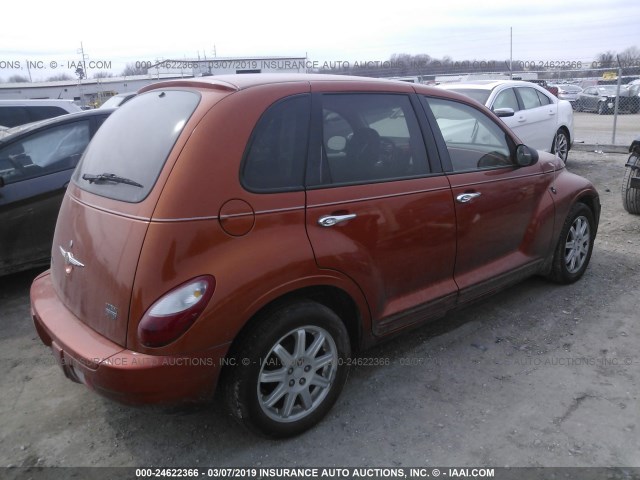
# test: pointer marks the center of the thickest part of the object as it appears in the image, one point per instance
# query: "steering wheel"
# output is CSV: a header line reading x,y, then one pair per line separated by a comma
x,y
13,160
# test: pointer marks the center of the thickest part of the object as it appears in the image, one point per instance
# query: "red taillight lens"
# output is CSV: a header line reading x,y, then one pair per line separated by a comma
x,y
173,313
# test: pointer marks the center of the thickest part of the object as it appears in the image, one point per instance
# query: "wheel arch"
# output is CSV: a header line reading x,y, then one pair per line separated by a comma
x,y
593,203
332,297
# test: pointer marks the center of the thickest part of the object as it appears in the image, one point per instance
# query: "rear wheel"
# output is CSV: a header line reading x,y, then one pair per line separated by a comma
x,y
288,371
574,248
561,145
631,196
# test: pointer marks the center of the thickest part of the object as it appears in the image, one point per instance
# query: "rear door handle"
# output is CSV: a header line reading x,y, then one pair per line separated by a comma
x,y
467,197
331,220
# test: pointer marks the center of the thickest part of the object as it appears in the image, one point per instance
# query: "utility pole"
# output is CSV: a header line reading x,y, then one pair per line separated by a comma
x,y
615,108
511,53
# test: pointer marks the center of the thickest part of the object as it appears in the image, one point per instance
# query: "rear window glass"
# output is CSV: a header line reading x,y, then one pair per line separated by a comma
x,y
127,154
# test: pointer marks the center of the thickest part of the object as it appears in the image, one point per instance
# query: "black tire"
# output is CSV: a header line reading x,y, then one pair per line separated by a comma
x,y
602,108
577,236
560,145
631,196
247,396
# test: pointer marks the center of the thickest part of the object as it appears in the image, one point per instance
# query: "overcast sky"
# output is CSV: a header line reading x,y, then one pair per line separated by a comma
x,y
331,30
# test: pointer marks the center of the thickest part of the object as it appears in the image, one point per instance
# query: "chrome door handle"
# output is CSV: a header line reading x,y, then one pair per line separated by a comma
x,y
331,220
467,197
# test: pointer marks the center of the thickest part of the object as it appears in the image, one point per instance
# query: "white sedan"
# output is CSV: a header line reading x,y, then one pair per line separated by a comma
x,y
535,115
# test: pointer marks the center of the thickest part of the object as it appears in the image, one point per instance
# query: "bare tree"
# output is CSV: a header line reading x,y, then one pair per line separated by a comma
x,y
630,57
132,69
102,74
59,77
607,59
18,79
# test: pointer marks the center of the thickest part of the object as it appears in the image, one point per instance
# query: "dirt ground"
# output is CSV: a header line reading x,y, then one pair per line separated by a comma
x,y
539,375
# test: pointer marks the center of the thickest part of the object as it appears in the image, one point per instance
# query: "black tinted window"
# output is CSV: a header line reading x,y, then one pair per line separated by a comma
x,y
135,143
42,113
369,138
13,116
277,151
44,152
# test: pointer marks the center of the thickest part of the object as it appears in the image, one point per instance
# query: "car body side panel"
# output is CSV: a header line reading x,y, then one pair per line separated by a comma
x,y
400,248
272,260
513,197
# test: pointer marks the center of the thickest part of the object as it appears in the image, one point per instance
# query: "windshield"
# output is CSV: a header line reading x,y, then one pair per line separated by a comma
x,y
607,89
479,94
133,144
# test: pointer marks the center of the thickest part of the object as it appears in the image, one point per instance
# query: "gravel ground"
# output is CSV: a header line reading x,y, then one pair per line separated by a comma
x,y
539,375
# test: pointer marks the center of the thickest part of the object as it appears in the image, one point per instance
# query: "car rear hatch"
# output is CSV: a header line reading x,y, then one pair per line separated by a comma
x,y
110,201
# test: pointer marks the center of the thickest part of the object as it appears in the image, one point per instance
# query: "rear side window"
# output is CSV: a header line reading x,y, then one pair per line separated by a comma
x,y
42,113
529,98
277,152
11,116
544,100
127,154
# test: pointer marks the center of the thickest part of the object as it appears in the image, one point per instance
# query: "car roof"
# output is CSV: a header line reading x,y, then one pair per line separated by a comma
x,y
61,119
243,81
487,84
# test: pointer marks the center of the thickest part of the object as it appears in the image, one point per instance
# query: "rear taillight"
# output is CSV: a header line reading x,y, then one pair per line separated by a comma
x,y
173,313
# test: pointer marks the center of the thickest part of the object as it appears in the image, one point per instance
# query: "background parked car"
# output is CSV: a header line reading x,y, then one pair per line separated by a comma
x,y
36,163
568,92
118,100
601,99
19,112
537,117
552,89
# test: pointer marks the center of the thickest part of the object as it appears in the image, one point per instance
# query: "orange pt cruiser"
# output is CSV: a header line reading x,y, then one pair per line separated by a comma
x,y
252,232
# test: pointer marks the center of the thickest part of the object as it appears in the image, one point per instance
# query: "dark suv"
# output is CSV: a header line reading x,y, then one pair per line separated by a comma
x,y
252,232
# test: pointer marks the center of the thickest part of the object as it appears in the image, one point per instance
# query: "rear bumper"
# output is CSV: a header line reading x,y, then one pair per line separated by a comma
x,y
114,372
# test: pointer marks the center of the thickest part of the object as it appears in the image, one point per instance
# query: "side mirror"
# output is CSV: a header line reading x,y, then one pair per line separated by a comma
x,y
504,112
526,156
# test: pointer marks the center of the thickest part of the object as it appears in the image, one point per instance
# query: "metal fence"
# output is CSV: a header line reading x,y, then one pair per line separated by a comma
x,y
605,98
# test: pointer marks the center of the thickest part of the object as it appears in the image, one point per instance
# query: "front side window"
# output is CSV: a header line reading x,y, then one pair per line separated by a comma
x,y
506,99
369,138
277,150
52,150
127,154
473,140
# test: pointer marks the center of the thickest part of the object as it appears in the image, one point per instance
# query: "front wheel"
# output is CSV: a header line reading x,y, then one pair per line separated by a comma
x,y
288,370
574,248
631,196
602,108
561,145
